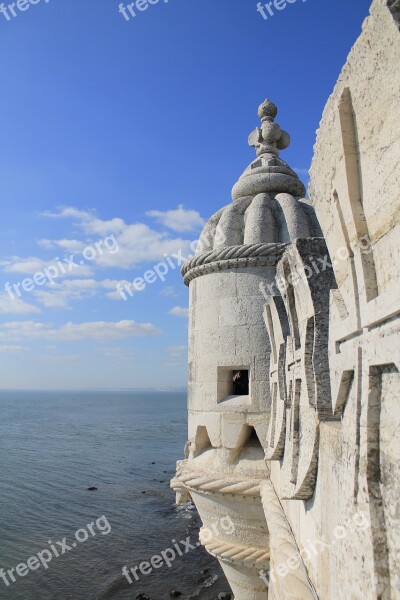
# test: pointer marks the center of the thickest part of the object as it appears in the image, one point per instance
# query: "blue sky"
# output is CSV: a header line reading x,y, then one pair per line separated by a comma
x,y
131,133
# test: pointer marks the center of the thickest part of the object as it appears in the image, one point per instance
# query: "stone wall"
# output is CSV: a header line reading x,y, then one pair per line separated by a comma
x,y
355,189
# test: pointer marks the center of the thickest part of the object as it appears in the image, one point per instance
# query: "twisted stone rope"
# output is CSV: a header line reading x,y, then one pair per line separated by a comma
x,y
220,486
296,583
250,556
231,257
240,251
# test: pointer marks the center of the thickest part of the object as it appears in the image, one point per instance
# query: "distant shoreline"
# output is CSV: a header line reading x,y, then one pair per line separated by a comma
x,y
104,390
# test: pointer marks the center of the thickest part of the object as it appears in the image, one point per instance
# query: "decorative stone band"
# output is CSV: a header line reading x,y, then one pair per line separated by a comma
x,y
249,556
182,493
233,257
295,584
207,485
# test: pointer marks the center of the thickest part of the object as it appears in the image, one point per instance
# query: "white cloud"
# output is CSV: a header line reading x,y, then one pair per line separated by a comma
x,y
94,330
178,219
60,294
112,285
12,348
169,291
52,299
137,242
15,305
68,245
179,311
33,265
87,221
67,212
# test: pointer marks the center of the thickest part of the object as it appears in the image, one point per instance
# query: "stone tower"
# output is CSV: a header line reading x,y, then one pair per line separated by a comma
x,y
230,279
297,476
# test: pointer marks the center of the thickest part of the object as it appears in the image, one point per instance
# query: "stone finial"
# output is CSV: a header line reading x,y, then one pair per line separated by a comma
x,y
268,173
267,110
269,138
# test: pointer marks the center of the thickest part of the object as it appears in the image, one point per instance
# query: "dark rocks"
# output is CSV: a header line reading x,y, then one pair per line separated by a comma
x,y
92,488
143,597
175,594
204,575
224,596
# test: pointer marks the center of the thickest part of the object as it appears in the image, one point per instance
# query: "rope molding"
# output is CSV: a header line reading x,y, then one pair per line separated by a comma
x,y
221,486
250,556
247,255
296,584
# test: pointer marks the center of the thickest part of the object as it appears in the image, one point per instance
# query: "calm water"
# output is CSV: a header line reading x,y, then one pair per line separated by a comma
x,y
53,446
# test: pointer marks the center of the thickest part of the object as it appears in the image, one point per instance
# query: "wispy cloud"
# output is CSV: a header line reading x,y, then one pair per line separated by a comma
x,y
17,349
169,291
60,295
93,330
176,351
301,171
138,242
64,244
179,311
87,221
178,219
34,264
16,306
176,356
120,355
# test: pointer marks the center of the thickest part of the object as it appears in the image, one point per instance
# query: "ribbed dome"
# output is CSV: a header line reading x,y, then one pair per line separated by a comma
x,y
264,219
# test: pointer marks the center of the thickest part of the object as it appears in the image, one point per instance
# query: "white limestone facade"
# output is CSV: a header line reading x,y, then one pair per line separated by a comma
x,y
306,463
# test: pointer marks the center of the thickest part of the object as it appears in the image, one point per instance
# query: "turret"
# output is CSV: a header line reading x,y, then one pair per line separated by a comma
x,y
229,279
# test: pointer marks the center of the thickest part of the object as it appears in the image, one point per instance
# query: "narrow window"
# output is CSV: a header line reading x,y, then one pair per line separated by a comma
x,y
240,383
233,382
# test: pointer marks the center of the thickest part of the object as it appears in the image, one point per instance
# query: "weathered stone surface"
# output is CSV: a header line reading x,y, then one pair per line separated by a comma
x,y
305,466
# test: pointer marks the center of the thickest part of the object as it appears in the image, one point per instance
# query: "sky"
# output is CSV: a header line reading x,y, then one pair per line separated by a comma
x,y
120,136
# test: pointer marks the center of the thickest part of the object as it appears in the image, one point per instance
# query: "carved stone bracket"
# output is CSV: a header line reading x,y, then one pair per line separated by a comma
x,y
297,325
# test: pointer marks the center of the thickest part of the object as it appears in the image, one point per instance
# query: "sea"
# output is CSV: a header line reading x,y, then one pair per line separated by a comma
x,y
54,446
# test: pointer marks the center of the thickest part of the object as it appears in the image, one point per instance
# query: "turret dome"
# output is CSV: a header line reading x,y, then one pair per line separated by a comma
x,y
268,210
